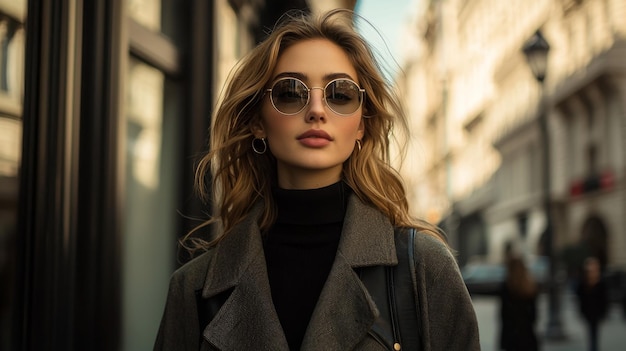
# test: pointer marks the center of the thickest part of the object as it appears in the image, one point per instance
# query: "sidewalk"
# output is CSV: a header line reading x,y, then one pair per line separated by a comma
x,y
612,331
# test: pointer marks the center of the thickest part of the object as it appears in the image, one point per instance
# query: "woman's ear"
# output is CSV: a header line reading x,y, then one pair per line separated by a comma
x,y
361,131
257,130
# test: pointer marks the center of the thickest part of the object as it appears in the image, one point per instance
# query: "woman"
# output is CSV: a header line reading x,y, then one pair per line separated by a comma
x,y
518,308
306,198
593,299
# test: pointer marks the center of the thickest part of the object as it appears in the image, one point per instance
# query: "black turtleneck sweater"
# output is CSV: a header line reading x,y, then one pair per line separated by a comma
x,y
300,249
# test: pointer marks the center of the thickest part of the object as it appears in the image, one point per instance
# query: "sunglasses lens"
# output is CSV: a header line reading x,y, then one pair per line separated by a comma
x,y
343,96
289,95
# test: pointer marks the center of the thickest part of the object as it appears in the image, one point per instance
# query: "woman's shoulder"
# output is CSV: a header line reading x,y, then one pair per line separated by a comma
x,y
428,244
196,267
429,249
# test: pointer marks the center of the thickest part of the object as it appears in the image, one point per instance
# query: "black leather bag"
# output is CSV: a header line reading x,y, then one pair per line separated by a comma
x,y
394,292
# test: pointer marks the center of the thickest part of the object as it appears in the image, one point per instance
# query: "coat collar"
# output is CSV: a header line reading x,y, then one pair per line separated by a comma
x,y
345,311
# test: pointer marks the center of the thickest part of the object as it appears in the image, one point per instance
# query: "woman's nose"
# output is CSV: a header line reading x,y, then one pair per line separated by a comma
x,y
317,110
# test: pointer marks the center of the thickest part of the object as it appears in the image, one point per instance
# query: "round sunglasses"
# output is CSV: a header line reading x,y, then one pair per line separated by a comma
x,y
290,96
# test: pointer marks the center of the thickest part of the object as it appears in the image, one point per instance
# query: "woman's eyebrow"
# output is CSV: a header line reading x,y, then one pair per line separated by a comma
x,y
298,75
332,76
303,77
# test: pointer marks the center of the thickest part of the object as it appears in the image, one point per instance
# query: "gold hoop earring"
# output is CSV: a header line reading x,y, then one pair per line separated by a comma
x,y
255,145
358,144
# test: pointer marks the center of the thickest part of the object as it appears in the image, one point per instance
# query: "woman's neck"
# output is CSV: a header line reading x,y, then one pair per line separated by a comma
x,y
307,179
312,206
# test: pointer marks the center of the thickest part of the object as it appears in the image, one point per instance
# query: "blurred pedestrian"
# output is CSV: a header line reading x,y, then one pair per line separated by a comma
x,y
518,308
593,299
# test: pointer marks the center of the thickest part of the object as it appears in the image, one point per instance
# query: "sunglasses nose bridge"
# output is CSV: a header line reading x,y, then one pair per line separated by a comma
x,y
322,89
317,88
313,98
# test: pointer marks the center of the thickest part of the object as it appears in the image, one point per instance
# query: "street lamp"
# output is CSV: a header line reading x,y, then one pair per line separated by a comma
x,y
536,50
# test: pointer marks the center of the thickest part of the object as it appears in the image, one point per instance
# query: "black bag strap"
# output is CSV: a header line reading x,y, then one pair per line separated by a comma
x,y
393,290
406,307
393,307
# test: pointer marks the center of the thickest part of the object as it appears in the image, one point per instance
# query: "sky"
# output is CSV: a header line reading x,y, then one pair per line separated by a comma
x,y
388,17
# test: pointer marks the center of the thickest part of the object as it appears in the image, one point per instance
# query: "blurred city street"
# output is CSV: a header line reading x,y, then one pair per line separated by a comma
x,y
507,126
612,331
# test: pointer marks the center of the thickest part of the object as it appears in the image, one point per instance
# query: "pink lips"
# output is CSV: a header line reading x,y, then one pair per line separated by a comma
x,y
314,138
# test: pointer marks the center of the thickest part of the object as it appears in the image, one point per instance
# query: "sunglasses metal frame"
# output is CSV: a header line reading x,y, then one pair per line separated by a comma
x,y
308,99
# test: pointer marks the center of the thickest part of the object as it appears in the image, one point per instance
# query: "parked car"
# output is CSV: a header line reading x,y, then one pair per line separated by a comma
x,y
483,278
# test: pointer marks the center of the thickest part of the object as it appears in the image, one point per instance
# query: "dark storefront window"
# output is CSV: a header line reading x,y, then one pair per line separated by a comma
x,y
153,148
155,123
12,38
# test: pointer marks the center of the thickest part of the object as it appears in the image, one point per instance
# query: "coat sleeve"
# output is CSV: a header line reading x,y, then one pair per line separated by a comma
x,y
180,328
447,313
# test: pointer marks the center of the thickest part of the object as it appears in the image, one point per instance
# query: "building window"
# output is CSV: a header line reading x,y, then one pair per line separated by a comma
x,y
11,88
152,153
12,47
154,123
146,12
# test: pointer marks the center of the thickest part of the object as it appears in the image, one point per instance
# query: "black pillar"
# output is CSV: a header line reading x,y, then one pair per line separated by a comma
x,y
68,266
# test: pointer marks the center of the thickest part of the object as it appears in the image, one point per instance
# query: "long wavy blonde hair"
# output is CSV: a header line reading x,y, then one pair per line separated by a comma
x,y
519,279
241,178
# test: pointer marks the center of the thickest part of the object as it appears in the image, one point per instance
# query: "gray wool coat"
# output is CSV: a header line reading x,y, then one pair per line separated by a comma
x,y
345,311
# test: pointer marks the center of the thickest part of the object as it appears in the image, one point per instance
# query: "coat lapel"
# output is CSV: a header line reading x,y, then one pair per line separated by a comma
x,y
345,311
248,319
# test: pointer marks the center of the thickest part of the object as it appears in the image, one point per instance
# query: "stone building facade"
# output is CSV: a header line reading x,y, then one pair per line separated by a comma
x,y
476,109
